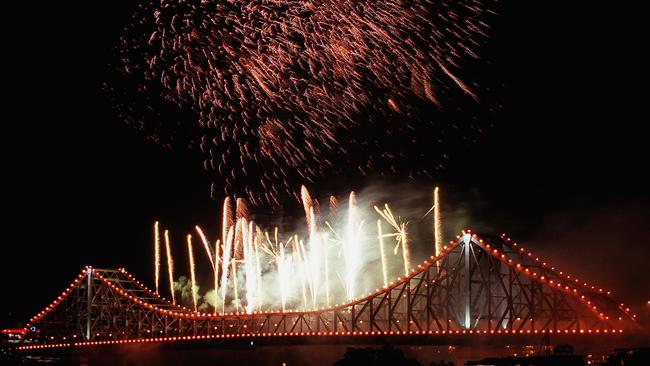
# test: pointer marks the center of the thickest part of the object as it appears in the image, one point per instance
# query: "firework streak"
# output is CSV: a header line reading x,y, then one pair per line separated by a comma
x,y
170,266
156,233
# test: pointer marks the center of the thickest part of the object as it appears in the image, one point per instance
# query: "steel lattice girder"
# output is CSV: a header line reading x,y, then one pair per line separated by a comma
x,y
472,286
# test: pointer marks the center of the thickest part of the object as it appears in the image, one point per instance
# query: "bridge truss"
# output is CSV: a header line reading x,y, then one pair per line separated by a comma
x,y
474,286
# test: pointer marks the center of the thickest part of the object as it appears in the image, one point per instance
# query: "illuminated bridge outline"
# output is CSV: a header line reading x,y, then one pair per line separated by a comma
x,y
478,288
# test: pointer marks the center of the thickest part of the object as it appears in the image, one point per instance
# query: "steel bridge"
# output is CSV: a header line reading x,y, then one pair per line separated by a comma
x,y
474,287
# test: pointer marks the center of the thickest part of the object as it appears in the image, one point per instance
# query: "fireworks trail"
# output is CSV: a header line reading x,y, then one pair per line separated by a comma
x,y
258,270
307,204
333,206
156,236
284,266
273,93
217,260
206,245
437,224
226,219
380,237
352,247
194,286
235,256
297,252
170,265
225,265
241,209
314,259
406,252
214,260
250,268
235,286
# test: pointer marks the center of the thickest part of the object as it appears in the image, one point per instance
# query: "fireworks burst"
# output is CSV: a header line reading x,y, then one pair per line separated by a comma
x,y
298,269
284,92
399,235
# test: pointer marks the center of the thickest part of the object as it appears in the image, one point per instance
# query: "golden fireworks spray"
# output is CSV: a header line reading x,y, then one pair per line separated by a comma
x,y
315,258
284,263
351,246
214,260
156,236
258,268
380,236
406,251
400,235
327,271
216,273
236,256
192,269
437,224
226,219
249,270
241,209
276,250
170,265
301,268
206,245
234,282
315,205
225,265
333,206
299,263
307,205
237,240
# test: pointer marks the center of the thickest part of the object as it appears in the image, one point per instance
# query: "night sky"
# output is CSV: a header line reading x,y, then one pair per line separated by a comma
x,y
564,170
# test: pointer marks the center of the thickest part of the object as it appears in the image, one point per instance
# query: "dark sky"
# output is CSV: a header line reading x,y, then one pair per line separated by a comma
x,y
565,169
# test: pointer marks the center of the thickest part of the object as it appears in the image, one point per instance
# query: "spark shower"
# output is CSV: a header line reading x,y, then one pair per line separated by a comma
x,y
278,93
343,254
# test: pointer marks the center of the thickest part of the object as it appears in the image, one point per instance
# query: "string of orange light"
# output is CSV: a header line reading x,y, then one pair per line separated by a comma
x,y
188,314
323,334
